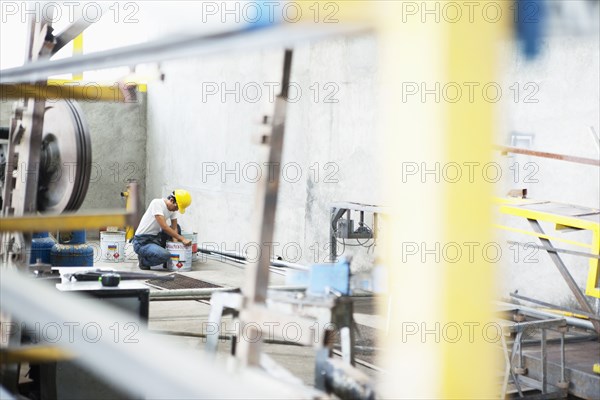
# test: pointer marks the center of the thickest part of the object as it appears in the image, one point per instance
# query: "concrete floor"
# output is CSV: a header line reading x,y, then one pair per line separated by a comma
x,y
182,318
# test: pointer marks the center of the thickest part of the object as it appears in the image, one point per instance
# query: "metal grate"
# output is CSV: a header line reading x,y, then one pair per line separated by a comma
x,y
182,282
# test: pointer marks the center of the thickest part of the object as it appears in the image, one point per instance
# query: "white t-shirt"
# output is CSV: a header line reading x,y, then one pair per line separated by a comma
x,y
148,224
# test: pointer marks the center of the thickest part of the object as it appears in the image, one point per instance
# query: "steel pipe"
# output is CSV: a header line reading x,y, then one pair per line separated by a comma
x,y
545,314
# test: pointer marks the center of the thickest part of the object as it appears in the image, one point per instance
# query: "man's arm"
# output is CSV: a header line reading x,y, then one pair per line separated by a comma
x,y
160,219
174,227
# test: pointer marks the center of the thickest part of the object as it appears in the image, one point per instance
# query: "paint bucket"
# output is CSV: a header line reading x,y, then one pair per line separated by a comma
x,y
112,246
194,238
181,257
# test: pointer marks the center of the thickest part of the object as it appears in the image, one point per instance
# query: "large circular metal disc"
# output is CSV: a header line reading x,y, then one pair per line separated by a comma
x,y
66,158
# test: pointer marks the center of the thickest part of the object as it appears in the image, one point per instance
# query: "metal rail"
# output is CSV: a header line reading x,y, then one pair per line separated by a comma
x,y
562,268
178,47
565,309
545,154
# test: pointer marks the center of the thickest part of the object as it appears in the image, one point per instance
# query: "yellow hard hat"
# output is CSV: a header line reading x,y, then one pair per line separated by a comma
x,y
183,199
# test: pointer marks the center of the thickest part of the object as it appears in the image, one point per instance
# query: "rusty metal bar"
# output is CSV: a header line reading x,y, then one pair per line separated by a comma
x,y
257,274
554,306
545,154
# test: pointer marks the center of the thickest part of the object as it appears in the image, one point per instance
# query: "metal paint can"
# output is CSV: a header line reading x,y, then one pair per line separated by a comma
x,y
112,246
181,257
194,238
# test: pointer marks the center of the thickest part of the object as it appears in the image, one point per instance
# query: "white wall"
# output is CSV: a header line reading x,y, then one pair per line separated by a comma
x,y
329,151
184,132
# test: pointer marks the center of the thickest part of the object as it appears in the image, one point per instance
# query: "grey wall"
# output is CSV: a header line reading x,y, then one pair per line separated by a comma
x,y
5,112
118,133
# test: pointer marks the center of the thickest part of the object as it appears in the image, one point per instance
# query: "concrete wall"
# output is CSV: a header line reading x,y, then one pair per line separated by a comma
x,y
195,137
5,112
118,135
202,121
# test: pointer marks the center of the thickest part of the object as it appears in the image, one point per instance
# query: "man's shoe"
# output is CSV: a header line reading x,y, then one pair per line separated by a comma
x,y
140,266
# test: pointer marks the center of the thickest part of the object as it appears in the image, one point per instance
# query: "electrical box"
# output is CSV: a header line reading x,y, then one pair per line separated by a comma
x,y
345,230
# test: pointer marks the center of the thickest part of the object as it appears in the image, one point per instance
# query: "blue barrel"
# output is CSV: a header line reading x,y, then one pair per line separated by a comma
x,y
72,251
41,246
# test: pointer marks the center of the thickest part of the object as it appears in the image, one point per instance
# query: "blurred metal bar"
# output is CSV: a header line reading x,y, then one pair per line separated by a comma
x,y
70,32
62,222
544,362
257,273
545,154
534,312
179,46
554,306
72,221
34,354
89,92
191,294
146,364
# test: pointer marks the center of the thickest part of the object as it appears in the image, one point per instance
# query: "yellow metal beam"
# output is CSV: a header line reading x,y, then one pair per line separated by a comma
x,y
473,55
64,222
85,92
543,236
585,222
592,287
565,220
140,84
34,354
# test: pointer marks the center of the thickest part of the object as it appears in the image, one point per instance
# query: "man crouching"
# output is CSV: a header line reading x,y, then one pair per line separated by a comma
x,y
153,231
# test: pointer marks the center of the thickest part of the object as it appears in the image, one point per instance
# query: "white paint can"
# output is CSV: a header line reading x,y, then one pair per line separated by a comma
x,y
194,238
181,257
112,246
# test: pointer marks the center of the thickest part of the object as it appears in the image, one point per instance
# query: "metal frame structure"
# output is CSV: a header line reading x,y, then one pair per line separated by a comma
x,y
531,367
565,216
338,209
519,373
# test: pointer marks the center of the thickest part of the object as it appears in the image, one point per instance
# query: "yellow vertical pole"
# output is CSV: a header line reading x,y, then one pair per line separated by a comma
x,y
470,369
78,49
411,52
441,339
